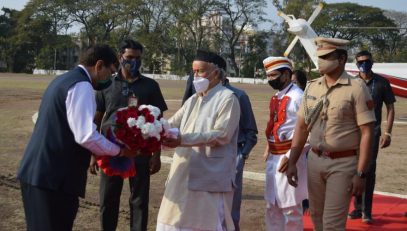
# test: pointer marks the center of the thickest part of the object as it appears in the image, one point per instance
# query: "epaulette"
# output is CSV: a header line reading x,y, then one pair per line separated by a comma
x,y
314,80
359,81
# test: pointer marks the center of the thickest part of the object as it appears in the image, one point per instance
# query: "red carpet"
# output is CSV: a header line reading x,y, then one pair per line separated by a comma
x,y
388,215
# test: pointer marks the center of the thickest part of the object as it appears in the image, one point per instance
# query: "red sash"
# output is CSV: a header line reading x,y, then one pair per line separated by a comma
x,y
277,116
279,148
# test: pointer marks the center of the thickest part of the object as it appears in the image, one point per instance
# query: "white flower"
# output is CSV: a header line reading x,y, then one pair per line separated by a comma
x,y
158,126
141,120
149,130
131,122
166,125
155,111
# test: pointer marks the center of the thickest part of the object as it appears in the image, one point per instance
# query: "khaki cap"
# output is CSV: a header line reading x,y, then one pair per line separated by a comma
x,y
328,45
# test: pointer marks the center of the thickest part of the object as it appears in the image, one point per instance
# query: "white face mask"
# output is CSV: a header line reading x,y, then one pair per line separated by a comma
x,y
201,84
327,66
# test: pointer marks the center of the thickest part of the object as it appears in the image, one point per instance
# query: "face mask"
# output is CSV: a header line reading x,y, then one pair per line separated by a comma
x,y
132,66
365,66
327,66
201,84
102,84
276,84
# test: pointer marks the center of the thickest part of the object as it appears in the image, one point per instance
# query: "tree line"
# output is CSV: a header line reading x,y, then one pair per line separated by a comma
x,y
172,30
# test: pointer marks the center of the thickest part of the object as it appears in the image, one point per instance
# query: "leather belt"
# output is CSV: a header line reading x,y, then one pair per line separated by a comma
x,y
334,155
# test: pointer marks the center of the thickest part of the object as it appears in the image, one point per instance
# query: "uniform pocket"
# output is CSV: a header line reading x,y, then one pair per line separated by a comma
x,y
340,110
334,113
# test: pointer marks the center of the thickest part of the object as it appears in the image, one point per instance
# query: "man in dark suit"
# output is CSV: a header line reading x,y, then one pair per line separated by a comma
x,y
53,170
189,88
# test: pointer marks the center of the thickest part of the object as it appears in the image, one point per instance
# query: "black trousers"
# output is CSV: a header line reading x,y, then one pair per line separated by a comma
x,y
47,210
364,203
111,189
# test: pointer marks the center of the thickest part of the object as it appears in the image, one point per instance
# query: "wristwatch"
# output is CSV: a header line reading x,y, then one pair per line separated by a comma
x,y
361,174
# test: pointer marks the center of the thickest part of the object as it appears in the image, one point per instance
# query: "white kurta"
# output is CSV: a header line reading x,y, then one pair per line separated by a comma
x,y
277,187
184,208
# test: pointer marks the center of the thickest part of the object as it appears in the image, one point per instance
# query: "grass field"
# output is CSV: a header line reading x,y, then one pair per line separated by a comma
x,y
20,95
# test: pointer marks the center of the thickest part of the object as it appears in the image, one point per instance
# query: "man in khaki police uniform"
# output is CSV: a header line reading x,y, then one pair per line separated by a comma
x,y
337,112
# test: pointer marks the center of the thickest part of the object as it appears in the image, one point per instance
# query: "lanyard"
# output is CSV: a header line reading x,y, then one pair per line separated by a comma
x,y
372,87
288,90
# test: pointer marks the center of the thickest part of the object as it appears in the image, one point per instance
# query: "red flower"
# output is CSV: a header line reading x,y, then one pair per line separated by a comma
x,y
131,136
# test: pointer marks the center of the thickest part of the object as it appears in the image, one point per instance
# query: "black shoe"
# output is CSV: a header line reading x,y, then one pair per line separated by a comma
x,y
367,219
305,206
355,214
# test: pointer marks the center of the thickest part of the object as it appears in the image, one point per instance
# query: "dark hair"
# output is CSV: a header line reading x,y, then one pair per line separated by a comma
x,y
92,54
364,53
285,69
130,44
301,78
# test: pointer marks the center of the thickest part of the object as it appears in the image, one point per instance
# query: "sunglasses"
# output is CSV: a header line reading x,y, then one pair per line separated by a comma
x,y
364,61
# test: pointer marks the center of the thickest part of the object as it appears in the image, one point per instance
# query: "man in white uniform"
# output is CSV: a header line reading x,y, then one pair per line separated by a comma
x,y
199,189
284,210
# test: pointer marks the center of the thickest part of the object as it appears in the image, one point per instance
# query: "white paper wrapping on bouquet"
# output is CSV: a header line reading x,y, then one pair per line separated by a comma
x,y
171,133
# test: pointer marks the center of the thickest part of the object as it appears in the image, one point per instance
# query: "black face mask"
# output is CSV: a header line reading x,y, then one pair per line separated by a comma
x,y
276,84
365,66
132,66
103,84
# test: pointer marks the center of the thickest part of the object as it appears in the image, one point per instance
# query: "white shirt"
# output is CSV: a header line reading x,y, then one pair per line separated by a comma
x,y
278,191
286,130
80,110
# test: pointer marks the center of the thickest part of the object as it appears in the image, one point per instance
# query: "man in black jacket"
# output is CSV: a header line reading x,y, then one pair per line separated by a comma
x,y
381,92
128,82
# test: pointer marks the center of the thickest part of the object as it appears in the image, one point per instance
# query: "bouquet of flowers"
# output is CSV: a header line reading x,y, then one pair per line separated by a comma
x,y
139,128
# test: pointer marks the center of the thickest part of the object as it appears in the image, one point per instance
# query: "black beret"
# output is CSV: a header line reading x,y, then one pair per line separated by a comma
x,y
210,57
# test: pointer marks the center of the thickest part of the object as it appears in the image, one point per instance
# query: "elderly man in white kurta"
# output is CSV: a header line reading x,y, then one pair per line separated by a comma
x,y
199,189
284,210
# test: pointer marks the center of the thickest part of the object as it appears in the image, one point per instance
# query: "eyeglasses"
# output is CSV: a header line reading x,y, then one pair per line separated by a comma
x,y
363,61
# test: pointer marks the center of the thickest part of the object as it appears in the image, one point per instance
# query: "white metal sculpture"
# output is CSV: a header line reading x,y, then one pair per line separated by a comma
x,y
304,32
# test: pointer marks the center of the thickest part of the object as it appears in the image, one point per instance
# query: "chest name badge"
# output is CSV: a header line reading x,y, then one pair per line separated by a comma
x,y
311,97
